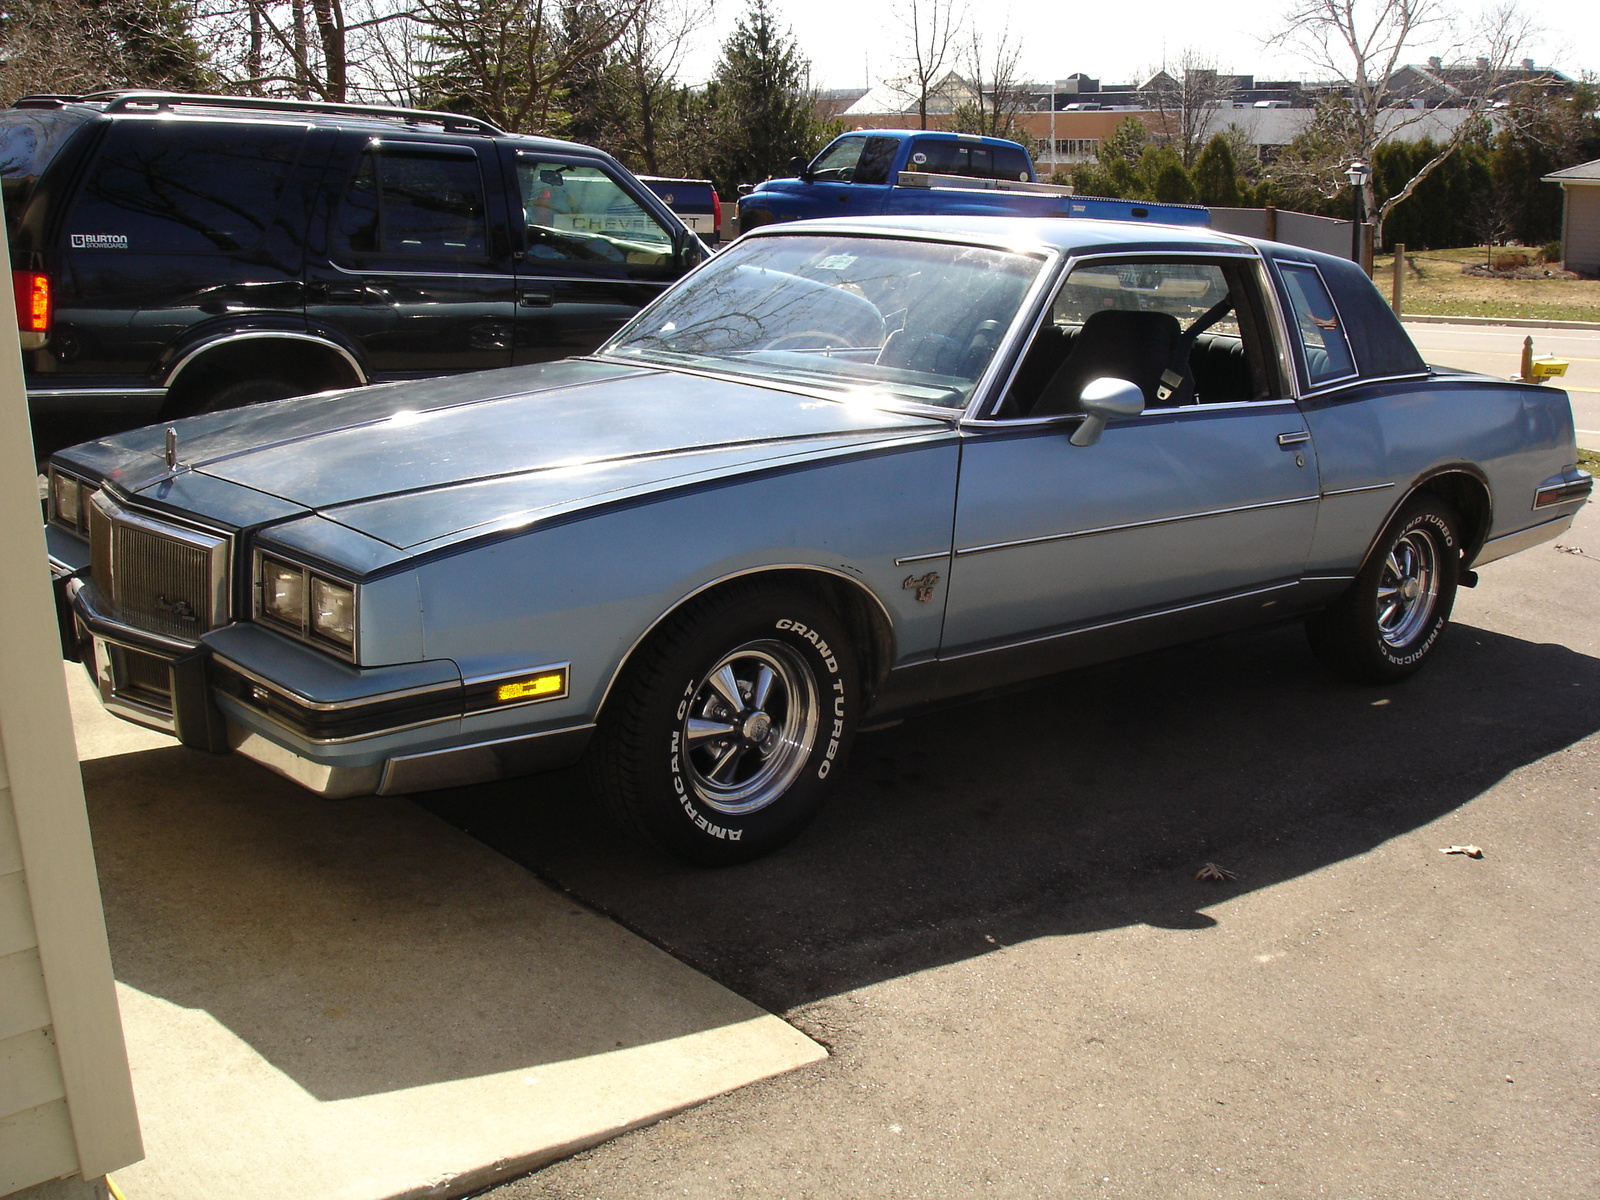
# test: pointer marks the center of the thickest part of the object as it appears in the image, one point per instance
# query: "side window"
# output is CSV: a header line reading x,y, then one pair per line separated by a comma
x,y
1010,162
406,203
1184,332
838,161
1327,352
876,160
192,187
578,214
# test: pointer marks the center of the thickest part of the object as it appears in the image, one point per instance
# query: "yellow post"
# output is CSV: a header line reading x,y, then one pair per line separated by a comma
x,y
1398,302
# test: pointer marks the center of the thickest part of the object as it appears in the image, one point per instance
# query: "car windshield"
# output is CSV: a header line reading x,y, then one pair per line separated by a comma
x,y
881,318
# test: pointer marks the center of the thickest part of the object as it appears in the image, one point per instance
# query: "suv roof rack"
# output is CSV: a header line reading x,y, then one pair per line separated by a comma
x,y
45,100
120,101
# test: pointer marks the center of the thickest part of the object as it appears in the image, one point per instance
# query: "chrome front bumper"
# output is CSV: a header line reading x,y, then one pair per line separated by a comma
x,y
384,741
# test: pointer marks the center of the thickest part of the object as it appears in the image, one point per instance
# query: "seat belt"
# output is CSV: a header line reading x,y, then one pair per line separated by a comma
x,y
1178,369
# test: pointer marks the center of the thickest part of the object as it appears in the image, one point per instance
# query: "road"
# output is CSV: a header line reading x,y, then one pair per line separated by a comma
x,y
997,930
1497,350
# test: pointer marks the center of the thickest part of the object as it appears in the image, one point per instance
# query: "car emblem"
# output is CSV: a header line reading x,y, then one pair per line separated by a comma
x,y
923,585
179,608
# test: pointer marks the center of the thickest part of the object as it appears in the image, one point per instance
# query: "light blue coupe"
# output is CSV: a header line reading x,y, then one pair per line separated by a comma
x,y
842,471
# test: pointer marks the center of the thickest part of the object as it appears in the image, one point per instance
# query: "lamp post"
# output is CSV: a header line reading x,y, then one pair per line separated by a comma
x,y
1358,174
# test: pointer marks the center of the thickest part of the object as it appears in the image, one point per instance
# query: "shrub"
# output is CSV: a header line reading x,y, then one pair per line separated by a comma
x,y
1550,252
1510,260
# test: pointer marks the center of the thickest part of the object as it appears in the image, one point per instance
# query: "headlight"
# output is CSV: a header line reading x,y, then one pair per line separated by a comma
x,y
283,592
69,501
333,611
306,603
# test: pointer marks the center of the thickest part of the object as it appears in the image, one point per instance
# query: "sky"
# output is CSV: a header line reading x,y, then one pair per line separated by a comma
x,y
1113,41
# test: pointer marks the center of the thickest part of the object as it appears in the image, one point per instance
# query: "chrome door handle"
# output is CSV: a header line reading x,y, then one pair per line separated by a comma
x,y
1293,439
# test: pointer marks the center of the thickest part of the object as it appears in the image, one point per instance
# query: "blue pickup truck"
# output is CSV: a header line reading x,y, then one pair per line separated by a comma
x,y
872,172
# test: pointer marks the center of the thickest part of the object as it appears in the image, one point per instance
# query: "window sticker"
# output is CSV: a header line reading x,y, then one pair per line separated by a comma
x,y
99,241
836,262
919,158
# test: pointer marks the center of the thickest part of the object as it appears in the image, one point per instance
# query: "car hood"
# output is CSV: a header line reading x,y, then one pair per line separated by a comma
x,y
415,463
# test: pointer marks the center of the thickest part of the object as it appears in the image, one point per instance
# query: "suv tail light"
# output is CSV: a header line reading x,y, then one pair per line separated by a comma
x,y
32,291
716,216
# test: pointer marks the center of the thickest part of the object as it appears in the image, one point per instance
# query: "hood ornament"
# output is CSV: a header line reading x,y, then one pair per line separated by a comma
x,y
172,448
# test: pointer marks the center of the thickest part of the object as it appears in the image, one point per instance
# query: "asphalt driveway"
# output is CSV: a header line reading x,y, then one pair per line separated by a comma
x,y
997,930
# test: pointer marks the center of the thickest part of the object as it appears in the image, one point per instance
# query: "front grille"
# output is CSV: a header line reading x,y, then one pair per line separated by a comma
x,y
157,576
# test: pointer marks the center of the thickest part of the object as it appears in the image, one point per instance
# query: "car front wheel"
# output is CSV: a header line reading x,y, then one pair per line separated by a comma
x,y
1387,624
730,725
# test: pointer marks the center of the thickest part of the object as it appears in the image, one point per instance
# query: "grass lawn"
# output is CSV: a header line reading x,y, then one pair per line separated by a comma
x,y
1589,460
1435,285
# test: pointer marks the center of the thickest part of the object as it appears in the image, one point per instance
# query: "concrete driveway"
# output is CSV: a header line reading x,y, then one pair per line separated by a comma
x,y
997,930
1497,350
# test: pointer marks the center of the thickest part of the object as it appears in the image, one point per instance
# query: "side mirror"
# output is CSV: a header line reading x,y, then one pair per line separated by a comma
x,y
801,168
689,250
1102,399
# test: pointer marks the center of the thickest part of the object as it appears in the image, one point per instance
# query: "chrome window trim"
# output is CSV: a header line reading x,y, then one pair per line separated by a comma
x,y
65,393
1355,363
1071,263
258,614
1348,382
1099,529
1018,335
1160,612
257,335
1182,410
197,537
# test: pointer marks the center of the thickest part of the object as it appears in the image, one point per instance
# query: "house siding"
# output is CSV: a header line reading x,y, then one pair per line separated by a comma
x,y
1580,233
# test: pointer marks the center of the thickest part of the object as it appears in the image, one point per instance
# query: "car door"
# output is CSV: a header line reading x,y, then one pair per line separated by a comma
x,y
1197,514
593,252
418,271
853,173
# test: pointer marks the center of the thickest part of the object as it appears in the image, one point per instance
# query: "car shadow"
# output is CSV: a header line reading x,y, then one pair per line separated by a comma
x,y
1085,803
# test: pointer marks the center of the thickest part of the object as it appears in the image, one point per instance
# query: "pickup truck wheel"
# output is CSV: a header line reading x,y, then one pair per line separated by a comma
x,y
731,723
1387,624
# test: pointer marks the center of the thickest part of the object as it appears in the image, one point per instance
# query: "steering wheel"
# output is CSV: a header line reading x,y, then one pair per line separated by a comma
x,y
810,339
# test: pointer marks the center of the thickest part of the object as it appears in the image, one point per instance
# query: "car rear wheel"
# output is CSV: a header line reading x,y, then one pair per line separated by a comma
x,y
1387,624
730,724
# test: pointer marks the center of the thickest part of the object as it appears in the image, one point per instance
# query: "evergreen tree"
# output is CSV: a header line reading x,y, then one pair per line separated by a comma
x,y
1216,176
763,109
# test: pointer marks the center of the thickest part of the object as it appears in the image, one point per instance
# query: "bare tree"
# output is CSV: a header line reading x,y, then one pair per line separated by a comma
x,y
1185,98
511,60
1363,45
931,32
311,49
997,93
629,101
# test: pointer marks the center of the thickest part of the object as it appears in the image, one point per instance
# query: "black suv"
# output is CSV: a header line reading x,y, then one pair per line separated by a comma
x,y
179,254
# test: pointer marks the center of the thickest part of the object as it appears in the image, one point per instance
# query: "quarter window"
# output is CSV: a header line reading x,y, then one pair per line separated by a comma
x,y
411,204
215,189
1327,352
578,214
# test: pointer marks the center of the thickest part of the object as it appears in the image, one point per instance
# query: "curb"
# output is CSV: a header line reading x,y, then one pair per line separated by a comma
x,y
1513,322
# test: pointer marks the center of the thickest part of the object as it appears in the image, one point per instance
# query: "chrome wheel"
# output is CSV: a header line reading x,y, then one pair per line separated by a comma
x,y
749,727
1408,587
